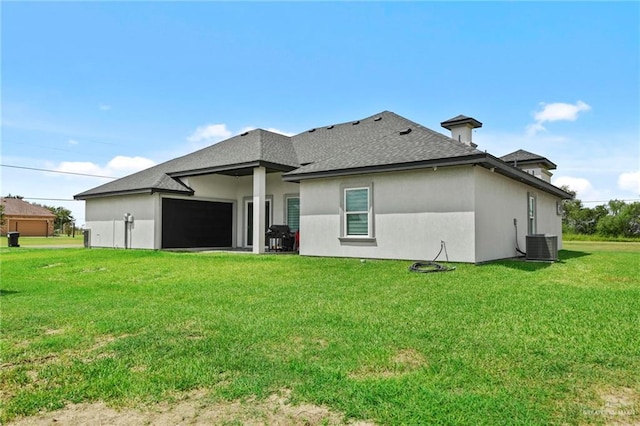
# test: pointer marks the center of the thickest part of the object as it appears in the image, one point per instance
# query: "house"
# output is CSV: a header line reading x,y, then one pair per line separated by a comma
x,y
28,219
531,163
379,187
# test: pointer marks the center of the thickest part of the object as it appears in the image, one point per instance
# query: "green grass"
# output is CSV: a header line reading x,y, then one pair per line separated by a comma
x,y
567,236
57,241
503,343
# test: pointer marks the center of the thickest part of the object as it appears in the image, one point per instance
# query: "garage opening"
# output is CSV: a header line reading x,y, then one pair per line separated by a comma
x,y
30,228
193,223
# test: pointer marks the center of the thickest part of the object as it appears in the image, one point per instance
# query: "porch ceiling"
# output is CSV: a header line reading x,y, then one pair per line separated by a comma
x,y
244,169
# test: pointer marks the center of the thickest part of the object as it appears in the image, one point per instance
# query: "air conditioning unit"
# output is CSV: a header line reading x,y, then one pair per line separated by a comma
x,y
542,247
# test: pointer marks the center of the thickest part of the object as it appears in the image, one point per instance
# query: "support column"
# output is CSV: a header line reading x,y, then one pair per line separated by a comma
x,y
259,208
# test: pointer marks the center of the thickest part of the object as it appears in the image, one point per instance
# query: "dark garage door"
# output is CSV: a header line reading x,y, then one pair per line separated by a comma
x,y
191,223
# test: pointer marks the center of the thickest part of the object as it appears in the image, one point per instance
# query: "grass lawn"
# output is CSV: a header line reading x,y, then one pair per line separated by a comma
x,y
503,343
58,241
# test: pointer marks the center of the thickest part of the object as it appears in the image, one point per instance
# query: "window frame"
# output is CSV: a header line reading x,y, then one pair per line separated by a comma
x,y
286,209
344,236
532,213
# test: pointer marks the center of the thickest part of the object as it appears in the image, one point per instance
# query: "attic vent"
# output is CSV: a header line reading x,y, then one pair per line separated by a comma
x,y
356,122
405,131
330,127
244,134
377,119
312,130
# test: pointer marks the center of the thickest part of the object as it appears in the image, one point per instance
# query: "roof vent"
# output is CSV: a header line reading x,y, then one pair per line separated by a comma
x,y
312,130
244,134
356,122
377,119
405,131
330,127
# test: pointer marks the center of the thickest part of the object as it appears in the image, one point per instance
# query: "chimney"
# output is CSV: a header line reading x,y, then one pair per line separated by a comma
x,y
462,129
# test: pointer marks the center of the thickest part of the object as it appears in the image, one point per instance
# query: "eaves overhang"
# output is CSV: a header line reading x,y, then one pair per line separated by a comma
x,y
238,169
498,166
485,160
380,168
137,191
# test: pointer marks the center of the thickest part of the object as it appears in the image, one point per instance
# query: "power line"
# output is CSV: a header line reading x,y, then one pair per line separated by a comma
x,y
57,171
49,199
606,201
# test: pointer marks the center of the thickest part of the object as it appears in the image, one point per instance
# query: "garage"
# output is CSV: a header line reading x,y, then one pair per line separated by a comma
x,y
194,223
29,228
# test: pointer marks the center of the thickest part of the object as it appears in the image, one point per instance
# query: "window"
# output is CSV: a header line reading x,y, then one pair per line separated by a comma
x,y
293,213
357,213
532,213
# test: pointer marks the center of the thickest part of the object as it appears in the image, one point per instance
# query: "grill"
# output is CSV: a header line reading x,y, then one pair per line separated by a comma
x,y
280,238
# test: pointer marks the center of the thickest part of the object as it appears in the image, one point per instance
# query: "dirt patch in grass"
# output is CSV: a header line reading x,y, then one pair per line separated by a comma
x,y
402,362
617,406
195,409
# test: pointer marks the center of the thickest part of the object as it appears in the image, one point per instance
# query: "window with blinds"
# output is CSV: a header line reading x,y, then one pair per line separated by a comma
x,y
356,202
293,213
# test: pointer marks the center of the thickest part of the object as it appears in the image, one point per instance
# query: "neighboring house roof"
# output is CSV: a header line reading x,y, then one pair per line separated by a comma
x,y
381,142
18,207
525,157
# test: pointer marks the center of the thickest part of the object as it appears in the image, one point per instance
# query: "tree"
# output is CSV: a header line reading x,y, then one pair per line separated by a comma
x,y
63,217
623,220
615,219
1,214
579,219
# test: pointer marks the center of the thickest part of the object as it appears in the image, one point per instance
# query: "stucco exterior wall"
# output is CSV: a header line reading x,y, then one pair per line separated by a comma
x,y
240,189
104,218
412,212
499,200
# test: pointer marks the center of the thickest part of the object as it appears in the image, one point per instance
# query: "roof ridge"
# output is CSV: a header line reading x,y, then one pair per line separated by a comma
x,y
346,122
345,147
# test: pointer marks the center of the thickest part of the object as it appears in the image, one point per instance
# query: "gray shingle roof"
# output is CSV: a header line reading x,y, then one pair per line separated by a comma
x,y
256,146
382,141
379,140
525,157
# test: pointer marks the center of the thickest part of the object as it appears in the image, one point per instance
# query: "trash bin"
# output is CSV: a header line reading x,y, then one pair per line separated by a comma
x,y
12,238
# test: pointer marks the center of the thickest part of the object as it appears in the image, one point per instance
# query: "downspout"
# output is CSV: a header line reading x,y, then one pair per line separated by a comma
x,y
125,232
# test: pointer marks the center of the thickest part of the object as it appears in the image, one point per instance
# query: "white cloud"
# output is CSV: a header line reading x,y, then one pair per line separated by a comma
x,y
581,186
630,181
210,133
117,167
246,129
85,167
104,107
558,111
282,132
73,142
269,129
129,164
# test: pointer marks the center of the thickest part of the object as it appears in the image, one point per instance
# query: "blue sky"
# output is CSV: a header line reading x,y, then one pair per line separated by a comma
x,y
110,88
